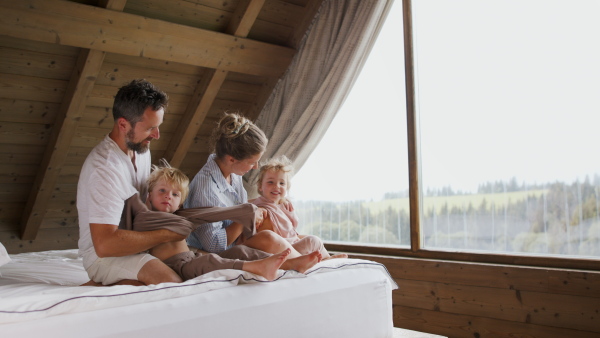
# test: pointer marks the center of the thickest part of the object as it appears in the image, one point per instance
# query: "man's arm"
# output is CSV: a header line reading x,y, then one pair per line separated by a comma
x,y
110,241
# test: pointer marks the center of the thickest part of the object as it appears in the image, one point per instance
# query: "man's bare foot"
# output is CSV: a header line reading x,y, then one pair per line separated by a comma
x,y
302,263
267,267
336,256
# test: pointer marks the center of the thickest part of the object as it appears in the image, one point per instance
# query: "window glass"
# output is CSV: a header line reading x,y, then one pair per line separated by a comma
x,y
508,103
354,186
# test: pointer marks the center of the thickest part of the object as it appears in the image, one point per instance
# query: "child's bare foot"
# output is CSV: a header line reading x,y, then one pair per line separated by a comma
x,y
336,256
302,263
267,267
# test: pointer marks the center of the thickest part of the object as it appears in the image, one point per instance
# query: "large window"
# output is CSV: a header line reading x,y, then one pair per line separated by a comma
x,y
508,99
507,95
353,188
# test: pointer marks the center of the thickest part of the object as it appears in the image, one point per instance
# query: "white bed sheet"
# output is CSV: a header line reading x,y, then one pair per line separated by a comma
x,y
336,298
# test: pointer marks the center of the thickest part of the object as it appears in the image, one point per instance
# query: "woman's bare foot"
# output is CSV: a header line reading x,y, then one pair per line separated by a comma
x,y
302,263
267,267
336,256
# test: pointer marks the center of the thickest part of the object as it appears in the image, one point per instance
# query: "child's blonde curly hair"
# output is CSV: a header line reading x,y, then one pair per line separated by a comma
x,y
171,176
281,163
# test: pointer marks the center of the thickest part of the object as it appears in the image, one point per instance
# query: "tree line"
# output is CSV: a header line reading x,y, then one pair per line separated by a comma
x,y
563,219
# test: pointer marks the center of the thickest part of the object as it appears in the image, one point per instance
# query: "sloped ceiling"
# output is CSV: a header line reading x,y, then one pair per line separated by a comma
x,y
61,62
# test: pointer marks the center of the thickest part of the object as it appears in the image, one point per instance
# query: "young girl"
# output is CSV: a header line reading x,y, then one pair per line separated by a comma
x,y
273,184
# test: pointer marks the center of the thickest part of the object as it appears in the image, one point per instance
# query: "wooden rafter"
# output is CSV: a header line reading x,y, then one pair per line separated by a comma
x,y
105,30
80,85
244,17
193,118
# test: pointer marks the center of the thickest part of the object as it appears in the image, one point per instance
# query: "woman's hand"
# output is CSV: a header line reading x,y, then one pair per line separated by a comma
x,y
260,216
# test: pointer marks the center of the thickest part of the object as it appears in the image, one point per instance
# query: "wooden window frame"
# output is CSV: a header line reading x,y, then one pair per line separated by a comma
x,y
415,194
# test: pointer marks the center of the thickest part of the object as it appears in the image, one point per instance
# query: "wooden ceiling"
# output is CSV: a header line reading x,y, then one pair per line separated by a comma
x,y
62,62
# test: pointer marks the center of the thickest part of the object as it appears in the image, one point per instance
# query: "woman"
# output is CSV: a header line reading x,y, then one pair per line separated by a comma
x,y
238,145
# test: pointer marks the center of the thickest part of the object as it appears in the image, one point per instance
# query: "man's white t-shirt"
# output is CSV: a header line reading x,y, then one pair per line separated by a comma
x,y
107,179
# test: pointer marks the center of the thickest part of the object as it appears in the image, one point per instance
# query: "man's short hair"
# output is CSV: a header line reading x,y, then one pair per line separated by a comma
x,y
134,98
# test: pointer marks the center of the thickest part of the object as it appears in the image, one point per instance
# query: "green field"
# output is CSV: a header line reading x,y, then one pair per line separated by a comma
x,y
459,201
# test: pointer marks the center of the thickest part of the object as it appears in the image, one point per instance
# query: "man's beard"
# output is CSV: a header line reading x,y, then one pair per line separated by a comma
x,y
140,147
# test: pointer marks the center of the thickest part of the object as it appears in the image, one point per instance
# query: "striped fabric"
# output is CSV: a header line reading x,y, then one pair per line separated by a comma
x,y
210,189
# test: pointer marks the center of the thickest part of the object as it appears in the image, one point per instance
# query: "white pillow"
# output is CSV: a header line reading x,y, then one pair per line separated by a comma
x,y
59,267
4,258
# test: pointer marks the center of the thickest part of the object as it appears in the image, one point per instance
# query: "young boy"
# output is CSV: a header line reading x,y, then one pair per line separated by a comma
x,y
273,184
167,190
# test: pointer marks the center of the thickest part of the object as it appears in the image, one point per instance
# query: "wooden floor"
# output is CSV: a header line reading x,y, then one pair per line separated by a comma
x,y
403,333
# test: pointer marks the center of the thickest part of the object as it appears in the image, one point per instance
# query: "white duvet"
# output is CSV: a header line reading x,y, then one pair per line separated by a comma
x,y
39,285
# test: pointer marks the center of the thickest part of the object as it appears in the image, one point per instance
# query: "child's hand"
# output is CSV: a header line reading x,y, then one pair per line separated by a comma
x,y
260,216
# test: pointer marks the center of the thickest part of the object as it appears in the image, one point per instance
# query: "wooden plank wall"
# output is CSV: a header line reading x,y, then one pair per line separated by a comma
x,y
26,125
459,299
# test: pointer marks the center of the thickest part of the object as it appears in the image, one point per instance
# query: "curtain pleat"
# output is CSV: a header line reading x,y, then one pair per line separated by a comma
x,y
309,95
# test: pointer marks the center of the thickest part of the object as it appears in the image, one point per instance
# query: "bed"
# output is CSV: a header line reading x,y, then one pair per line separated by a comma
x,y
39,294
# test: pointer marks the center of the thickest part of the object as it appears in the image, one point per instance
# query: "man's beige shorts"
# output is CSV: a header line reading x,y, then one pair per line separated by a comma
x,y
110,270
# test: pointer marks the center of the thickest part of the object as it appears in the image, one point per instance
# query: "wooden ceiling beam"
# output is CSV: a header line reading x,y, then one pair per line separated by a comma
x,y
244,17
80,85
195,113
73,24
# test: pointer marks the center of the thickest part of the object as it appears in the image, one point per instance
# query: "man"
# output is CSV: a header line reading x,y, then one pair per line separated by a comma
x,y
115,170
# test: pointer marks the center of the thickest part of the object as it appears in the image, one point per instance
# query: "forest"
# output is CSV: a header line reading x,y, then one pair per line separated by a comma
x,y
557,218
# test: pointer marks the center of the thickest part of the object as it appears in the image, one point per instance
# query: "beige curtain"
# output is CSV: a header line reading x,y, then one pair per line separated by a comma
x,y
309,95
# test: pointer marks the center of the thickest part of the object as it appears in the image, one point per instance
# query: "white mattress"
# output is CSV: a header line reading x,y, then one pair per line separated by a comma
x,y
336,298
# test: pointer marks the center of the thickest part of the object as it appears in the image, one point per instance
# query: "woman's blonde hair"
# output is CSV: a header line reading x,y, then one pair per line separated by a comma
x,y
281,163
170,175
237,137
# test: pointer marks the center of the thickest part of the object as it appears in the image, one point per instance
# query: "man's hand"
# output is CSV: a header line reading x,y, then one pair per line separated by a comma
x,y
171,236
109,241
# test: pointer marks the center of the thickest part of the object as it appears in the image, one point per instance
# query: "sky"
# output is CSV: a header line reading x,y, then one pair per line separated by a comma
x,y
495,101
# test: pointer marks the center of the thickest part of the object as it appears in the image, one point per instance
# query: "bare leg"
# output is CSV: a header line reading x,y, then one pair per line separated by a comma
x,y
156,272
270,242
302,263
267,267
